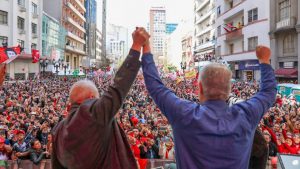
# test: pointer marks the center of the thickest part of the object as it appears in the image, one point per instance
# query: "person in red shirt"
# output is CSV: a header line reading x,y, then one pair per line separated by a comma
x,y
296,140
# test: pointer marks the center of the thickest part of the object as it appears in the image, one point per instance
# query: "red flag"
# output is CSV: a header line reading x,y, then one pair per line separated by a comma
x,y
108,68
35,55
9,54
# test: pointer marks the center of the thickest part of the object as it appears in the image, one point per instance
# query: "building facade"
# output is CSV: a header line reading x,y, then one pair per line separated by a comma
x,y
71,13
20,24
117,43
53,38
91,27
104,4
241,26
187,53
205,17
99,56
157,29
285,39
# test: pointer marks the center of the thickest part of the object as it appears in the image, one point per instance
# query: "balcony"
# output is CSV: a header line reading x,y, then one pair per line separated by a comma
x,y
75,37
204,31
70,20
22,31
35,15
76,11
209,44
80,5
203,17
238,7
202,4
34,36
22,8
286,23
236,34
75,50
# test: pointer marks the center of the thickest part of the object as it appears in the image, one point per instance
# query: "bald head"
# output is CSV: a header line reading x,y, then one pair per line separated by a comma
x,y
215,80
83,90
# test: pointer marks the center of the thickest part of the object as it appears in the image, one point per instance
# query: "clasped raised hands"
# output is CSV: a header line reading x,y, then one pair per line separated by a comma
x,y
140,38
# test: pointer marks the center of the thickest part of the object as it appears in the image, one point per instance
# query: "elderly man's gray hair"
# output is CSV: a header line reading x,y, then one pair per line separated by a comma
x,y
82,90
216,81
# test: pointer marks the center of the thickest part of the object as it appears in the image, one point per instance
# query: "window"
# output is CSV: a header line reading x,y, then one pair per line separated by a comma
x,y
34,8
252,15
219,30
21,43
288,44
231,48
219,10
3,40
21,22
284,8
33,28
3,17
281,64
33,46
218,51
21,2
252,43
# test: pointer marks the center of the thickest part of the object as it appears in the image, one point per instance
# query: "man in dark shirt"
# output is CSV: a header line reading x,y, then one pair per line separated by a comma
x,y
90,137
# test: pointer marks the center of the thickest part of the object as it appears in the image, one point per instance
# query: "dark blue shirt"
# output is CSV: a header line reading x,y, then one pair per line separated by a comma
x,y
211,135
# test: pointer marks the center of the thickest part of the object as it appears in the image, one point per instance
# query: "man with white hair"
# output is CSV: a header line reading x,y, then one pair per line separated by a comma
x,y
90,137
211,134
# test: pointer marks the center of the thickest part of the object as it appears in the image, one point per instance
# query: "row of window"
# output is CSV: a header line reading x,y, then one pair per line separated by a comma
x,y
288,45
4,39
284,11
20,22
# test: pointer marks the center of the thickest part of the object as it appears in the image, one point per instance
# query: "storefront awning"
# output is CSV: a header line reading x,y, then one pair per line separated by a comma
x,y
288,73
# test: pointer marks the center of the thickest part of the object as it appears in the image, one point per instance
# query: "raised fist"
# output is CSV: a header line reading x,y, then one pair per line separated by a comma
x,y
263,54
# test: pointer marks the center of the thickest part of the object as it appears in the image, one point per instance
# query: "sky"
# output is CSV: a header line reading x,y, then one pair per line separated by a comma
x,y
132,13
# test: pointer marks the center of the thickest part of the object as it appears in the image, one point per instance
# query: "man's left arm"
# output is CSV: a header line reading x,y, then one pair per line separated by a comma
x,y
107,106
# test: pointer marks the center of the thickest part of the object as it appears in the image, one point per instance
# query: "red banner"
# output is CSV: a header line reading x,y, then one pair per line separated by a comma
x,y
35,55
9,54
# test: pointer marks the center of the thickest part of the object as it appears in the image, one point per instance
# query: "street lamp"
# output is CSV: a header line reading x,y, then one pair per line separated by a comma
x,y
44,64
183,66
65,66
57,64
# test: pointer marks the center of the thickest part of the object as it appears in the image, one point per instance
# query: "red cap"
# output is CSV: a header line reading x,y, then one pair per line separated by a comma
x,y
21,132
2,140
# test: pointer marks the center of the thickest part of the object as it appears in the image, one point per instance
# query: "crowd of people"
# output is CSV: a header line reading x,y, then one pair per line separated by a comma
x,y
30,109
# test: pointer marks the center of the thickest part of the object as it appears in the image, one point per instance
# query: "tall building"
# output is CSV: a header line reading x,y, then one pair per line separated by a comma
x,y
205,17
91,27
171,27
71,13
241,26
53,38
158,32
20,24
104,4
117,43
99,57
285,38
187,61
